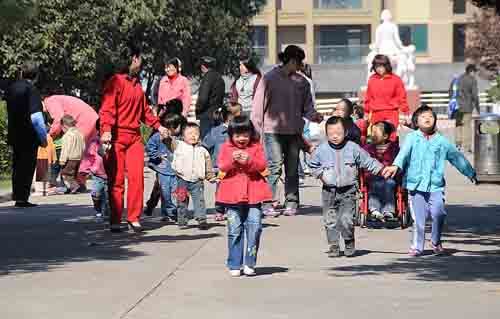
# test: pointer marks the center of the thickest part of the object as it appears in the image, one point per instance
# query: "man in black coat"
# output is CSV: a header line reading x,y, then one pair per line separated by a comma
x,y
26,131
210,94
468,102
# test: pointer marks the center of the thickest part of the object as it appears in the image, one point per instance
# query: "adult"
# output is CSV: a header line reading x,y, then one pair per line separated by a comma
x,y
468,101
244,88
282,100
385,98
26,131
210,95
123,108
85,116
175,86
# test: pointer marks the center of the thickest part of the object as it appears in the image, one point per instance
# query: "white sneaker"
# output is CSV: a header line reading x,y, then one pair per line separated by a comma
x,y
235,273
249,271
377,215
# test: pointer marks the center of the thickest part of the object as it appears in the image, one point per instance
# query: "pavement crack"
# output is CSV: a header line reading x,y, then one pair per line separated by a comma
x,y
164,279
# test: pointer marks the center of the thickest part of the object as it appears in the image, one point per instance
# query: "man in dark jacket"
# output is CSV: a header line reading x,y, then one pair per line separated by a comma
x,y
468,101
26,131
210,94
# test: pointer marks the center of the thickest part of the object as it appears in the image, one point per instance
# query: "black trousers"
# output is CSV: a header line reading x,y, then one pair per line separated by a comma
x,y
23,169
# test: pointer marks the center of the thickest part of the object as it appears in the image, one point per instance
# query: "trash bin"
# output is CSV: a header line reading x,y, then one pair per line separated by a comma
x,y
487,147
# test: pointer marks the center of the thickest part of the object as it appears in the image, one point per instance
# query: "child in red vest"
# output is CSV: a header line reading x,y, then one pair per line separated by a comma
x,y
381,191
242,190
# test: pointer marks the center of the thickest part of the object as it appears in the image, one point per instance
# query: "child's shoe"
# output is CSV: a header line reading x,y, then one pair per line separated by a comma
x,y
271,212
290,212
334,251
414,253
235,273
99,218
388,215
350,248
249,271
377,215
438,249
203,225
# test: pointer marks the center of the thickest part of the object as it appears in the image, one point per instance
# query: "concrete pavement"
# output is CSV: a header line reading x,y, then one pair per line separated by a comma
x,y
56,262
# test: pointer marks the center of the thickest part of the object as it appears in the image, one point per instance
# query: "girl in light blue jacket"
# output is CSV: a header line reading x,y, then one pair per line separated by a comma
x,y
422,159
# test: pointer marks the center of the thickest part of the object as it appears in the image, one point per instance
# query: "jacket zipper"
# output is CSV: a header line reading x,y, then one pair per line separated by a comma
x,y
337,157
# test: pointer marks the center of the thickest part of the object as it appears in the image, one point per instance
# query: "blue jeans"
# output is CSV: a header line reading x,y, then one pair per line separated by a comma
x,y
382,195
284,150
423,205
197,192
168,184
100,195
243,222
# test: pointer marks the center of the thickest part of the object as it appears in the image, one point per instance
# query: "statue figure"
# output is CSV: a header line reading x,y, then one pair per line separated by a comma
x,y
388,42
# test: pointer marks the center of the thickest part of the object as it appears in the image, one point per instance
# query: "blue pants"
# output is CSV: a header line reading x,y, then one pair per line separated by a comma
x,y
422,206
100,195
382,195
196,191
243,222
168,184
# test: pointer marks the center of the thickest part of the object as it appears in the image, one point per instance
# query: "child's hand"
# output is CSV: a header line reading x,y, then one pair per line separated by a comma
x,y
474,180
236,155
389,172
243,158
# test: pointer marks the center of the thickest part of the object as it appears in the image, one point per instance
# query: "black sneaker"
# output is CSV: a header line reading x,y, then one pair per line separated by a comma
x,y
203,225
350,248
334,251
24,205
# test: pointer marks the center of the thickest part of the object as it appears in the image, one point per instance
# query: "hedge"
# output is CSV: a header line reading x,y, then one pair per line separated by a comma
x,y
5,151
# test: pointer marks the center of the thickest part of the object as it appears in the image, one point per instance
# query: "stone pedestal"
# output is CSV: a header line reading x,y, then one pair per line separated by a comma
x,y
413,96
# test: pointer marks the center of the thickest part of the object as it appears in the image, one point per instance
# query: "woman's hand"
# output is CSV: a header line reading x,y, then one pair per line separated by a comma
x,y
106,138
389,172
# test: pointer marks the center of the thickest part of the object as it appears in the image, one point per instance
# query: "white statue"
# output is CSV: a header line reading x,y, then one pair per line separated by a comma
x,y
388,42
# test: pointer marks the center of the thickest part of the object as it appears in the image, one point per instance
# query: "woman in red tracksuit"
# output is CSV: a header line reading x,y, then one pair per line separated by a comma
x,y
123,108
385,96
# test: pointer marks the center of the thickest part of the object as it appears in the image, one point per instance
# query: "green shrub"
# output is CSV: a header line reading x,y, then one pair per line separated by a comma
x,y
5,151
494,91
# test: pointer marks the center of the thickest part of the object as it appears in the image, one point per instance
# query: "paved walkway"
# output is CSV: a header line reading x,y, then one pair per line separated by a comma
x,y
56,262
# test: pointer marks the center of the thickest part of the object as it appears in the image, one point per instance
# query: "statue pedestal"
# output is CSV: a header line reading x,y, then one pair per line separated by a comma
x,y
413,97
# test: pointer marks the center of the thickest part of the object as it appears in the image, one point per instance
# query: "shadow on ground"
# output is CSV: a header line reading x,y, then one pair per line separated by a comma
x,y
49,236
473,238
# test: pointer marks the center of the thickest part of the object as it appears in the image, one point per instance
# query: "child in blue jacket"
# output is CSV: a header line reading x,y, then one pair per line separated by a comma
x,y
160,150
422,159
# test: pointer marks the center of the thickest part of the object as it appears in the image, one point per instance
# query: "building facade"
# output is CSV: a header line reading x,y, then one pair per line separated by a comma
x,y
340,31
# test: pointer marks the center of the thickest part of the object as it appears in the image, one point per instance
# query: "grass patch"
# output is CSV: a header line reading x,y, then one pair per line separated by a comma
x,y
5,183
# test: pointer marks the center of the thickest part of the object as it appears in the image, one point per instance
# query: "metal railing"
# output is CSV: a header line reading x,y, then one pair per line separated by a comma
x,y
341,54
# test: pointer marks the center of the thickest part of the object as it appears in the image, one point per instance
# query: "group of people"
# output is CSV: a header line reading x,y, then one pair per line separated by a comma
x,y
242,147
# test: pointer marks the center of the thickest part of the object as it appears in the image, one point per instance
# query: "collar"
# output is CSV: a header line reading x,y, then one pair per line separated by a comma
x,y
338,147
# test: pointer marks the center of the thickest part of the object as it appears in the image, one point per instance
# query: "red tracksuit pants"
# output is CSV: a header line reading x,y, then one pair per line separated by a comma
x,y
126,157
391,116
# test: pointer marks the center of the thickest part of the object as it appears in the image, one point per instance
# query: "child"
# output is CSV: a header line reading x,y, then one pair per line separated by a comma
x,y
422,158
381,202
73,146
160,150
336,163
93,164
192,165
242,191
214,140
344,109
46,157
361,123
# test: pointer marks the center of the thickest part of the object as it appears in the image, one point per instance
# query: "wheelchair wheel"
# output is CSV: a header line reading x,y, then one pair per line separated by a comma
x,y
362,220
405,219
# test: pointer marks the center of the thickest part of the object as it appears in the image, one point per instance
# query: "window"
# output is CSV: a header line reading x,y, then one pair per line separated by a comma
x,y
459,43
344,44
459,6
338,4
416,34
259,42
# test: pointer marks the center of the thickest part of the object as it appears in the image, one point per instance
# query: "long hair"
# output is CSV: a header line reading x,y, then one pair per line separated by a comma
x,y
240,125
381,60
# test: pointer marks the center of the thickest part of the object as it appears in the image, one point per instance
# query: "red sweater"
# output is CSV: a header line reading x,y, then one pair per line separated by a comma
x,y
386,93
243,184
124,105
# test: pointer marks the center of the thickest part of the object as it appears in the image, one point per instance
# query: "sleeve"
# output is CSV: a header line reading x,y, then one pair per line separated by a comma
x,y
257,162
404,153
258,106
152,149
225,159
315,163
91,157
459,161
209,141
401,98
155,90
368,98
203,95
209,168
107,113
38,123
148,117
63,158
367,162
187,100
309,110
475,96
56,112
176,162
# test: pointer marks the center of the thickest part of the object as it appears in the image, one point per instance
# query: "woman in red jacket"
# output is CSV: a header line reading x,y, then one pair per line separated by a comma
x,y
242,190
123,108
386,95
